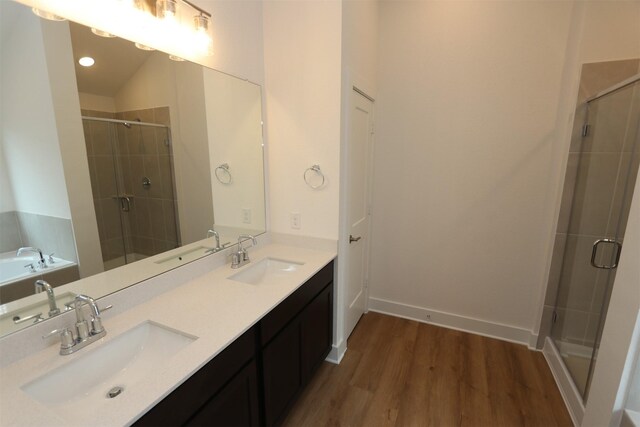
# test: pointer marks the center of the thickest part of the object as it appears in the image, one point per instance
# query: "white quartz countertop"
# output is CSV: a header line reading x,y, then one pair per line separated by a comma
x,y
210,307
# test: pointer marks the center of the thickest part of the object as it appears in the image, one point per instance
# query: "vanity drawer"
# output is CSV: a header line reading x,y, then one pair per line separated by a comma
x,y
178,407
273,322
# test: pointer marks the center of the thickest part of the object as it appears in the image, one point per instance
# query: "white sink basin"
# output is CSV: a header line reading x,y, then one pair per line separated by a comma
x,y
268,270
122,362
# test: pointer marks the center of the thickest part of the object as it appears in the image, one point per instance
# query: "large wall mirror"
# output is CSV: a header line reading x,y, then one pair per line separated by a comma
x,y
118,171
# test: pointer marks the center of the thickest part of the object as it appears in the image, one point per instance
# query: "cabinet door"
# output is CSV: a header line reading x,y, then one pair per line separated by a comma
x,y
235,405
282,372
317,332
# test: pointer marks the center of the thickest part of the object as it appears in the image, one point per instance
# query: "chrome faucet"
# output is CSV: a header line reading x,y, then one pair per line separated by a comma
x,y
41,262
215,234
240,258
86,332
42,285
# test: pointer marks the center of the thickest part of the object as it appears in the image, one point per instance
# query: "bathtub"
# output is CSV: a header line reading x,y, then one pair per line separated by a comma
x,y
17,280
13,268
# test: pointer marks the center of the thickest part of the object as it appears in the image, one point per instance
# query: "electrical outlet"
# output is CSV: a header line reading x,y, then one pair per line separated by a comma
x,y
428,318
295,220
246,216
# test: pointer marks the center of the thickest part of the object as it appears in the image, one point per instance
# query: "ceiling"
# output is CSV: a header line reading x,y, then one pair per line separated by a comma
x,y
116,61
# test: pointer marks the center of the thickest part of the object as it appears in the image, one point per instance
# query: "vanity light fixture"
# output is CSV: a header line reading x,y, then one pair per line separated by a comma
x,y
143,47
46,14
176,26
86,61
167,10
101,33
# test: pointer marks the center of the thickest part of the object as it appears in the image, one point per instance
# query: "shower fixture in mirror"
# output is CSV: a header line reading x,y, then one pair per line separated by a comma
x,y
108,174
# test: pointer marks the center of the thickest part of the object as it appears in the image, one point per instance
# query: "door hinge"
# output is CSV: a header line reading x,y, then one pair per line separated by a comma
x,y
586,128
554,317
372,129
366,283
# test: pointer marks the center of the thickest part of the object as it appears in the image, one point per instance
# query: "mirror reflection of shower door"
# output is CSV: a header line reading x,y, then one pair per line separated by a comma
x,y
133,185
605,173
100,139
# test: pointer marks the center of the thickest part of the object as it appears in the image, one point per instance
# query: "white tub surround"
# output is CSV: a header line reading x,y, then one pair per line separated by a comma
x,y
208,306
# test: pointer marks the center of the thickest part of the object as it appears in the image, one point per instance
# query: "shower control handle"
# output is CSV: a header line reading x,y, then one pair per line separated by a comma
x,y
594,253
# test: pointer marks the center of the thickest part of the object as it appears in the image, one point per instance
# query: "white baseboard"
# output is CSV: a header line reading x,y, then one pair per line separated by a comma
x,y
570,394
454,321
337,353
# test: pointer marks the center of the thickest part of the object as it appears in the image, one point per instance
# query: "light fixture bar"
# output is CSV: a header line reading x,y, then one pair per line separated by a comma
x,y
199,9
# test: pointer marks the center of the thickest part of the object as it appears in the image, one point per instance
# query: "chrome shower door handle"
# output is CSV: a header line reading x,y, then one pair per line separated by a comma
x,y
594,253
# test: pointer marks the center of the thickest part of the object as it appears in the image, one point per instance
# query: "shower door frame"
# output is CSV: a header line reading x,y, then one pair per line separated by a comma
x,y
610,276
121,193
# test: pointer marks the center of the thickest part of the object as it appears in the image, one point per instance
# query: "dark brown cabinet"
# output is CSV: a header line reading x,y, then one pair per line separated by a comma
x,y
235,405
258,377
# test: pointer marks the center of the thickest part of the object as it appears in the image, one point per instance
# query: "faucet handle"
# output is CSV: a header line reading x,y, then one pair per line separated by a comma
x,y
51,260
66,337
31,268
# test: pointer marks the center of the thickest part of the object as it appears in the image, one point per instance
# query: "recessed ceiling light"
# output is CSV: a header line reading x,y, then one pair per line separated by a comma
x,y
86,61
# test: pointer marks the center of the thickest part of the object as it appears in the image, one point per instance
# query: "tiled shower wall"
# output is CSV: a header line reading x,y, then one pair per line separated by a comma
x,y
584,218
140,151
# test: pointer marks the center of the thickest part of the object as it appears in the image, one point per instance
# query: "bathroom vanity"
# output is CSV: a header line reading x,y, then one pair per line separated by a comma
x,y
257,378
222,346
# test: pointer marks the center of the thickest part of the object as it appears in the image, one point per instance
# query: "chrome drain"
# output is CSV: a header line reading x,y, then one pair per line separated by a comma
x,y
114,392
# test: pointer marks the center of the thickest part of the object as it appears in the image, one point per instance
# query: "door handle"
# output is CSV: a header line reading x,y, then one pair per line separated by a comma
x,y
353,239
594,252
127,206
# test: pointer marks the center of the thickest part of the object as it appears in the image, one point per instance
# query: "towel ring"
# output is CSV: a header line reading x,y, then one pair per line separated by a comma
x,y
316,169
223,175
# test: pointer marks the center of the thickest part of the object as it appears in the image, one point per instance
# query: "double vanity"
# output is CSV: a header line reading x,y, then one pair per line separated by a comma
x,y
204,344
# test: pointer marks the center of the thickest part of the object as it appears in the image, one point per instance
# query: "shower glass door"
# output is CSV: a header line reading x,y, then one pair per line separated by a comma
x,y
131,168
604,170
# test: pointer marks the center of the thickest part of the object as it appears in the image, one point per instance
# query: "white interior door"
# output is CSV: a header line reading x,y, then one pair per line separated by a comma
x,y
359,158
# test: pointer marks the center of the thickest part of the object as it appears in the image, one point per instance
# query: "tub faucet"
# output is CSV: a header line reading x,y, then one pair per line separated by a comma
x,y
240,258
41,285
41,262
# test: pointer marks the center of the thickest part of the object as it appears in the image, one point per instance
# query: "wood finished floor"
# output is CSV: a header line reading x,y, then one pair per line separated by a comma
x,y
399,372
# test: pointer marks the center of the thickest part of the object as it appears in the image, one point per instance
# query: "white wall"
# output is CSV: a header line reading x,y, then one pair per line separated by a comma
x,y
90,101
234,129
7,204
29,134
466,108
360,44
302,52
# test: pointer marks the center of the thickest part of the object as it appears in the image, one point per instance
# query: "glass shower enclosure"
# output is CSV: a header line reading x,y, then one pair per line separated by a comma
x,y
133,186
602,168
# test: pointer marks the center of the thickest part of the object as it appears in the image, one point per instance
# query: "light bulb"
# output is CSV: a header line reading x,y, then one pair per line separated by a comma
x,y
166,9
203,38
86,61
143,47
47,15
101,33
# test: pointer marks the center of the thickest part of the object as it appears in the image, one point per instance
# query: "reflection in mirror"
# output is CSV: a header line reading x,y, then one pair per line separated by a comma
x,y
117,170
